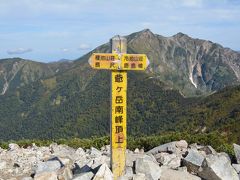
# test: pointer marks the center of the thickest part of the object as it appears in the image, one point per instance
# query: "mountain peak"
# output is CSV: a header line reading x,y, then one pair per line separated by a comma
x,y
146,30
146,33
180,35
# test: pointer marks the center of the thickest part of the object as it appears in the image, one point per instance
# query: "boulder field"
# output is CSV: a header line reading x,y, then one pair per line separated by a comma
x,y
172,161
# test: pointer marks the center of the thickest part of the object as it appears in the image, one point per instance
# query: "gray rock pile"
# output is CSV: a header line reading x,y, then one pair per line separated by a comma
x,y
172,161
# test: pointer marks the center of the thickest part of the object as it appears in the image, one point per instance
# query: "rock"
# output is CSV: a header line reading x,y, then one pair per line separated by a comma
x,y
168,147
66,162
136,150
94,152
237,152
34,146
3,165
148,167
129,173
83,169
13,147
81,161
63,151
84,176
169,174
46,176
92,165
106,150
182,144
150,157
139,176
60,161
131,158
124,177
236,167
100,160
103,173
170,160
1,150
174,163
184,168
64,173
208,150
226,155
215,167
193,160
44,152
48,166
195,146
17,178
178,147
141,151
26,178
19,162
79,165
80,153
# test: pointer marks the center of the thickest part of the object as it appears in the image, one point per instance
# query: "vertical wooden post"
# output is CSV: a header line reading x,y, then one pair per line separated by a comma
x,y
118,61
118,111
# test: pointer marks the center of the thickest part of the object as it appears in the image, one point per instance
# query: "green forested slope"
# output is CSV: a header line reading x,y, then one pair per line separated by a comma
x,y
72,100
220,111
51,111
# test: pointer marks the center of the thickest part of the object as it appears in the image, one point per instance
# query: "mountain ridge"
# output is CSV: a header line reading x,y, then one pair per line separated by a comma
x,y
191,65
74,102
25,71
186,59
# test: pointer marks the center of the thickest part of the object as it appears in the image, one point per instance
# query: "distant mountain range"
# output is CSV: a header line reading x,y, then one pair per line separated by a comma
x,y
16,72
193,66
68,98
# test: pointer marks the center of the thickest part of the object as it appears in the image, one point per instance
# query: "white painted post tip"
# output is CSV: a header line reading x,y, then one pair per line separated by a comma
x,y
90,61
148,62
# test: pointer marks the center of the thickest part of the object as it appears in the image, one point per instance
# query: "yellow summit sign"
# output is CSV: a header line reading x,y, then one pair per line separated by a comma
x,y
134,62
104,61
119,62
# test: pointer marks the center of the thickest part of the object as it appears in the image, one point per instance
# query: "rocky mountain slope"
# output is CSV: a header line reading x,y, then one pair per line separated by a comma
x,y
193,66
16,72
172,161
69,99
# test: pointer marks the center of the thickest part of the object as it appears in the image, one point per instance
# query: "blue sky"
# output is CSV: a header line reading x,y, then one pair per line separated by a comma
x,y
49,30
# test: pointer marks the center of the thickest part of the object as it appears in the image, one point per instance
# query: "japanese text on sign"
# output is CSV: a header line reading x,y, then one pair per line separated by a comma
x,y
119,101
119,121
119,61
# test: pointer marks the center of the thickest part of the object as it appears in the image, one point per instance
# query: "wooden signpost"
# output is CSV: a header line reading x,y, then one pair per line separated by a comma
x,y
119,62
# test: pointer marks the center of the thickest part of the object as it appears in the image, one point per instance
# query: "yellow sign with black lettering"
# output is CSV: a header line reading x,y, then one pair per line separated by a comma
x,y
119,121
135,62
104,61
119,63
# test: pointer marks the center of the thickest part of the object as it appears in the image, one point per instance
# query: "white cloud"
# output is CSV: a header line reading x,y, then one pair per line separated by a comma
x,y
74,24
19,51
84,46
64,50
